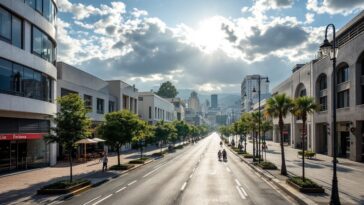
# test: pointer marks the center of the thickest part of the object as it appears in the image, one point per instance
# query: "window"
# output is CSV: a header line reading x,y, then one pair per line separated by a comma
x,y
88,102
16,34
155,113
5,24
150,112
31,3
323,103
303,93
322,82
111,106
100,106
343,99
42,45
16,79
28,83
343,75
38,6
5,75
65,92
140,98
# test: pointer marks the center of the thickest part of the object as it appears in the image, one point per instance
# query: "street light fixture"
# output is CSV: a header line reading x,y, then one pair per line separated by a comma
x,y
330,49
259,114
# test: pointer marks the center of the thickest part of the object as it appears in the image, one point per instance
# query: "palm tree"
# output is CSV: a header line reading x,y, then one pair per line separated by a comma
x,y
277,107
301,107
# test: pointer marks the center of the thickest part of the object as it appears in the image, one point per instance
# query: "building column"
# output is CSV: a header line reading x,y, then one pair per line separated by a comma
x,y
356,139
52,154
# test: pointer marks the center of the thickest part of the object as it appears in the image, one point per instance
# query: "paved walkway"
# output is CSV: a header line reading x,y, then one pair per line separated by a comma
x,y
350,174
17,187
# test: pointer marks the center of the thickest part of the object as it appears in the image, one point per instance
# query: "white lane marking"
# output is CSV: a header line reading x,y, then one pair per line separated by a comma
x,y
191,176
131,183
242,189
55,202
183,186
99,201
92,200
120,189
159,166
240,193
237,182
227,169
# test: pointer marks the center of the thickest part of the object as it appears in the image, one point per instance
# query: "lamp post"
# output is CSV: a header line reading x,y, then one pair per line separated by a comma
x,y
330,49
259,115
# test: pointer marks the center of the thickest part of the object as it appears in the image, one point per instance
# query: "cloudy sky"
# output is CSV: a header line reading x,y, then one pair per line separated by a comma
x,y
205,45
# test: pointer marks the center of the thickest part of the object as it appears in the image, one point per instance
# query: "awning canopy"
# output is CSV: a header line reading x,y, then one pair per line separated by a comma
x,y
86,141
98,139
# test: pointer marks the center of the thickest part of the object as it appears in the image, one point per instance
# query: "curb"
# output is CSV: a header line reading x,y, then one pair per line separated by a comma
x,y
298,197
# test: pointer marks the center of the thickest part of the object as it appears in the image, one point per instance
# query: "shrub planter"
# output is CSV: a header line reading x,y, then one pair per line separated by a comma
x,y
63,187
139,161
121,167
308,154
305,187
267,165
248,156
157,154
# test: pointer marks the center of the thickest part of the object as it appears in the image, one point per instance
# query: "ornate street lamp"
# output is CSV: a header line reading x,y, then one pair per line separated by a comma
x,y
330,49
259,118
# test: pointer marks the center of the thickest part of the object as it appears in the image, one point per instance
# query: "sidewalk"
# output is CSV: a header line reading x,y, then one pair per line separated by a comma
x,y
350,174
20,187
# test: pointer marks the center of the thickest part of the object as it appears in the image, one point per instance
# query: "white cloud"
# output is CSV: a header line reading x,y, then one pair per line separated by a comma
x,y
310,18
343,7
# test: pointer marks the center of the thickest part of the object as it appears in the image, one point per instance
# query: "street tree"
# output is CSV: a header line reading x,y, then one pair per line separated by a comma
x,y
167,90
72,125
301,107
182,129
164,132
265,126
279,106
143,136
119,128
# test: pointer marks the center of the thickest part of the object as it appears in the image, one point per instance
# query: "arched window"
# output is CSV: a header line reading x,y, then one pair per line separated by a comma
x,y
343,74
322,82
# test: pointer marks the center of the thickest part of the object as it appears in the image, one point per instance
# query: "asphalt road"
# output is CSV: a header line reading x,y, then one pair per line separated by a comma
x,y
189,176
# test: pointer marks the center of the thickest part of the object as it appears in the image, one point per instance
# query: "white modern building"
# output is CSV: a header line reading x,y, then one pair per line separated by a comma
x,y
314,79
179,108
27,82
93,90
248,97
153,108
126,94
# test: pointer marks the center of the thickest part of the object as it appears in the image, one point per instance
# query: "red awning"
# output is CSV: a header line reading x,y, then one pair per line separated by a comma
x,y
22,136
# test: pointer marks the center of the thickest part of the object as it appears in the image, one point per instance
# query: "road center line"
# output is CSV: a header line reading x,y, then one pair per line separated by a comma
x,y
183,186
99,201
131,183
237,182
120,189
92,200
240,193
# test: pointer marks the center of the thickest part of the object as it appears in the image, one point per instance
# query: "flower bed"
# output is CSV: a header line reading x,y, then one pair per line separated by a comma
x,y
138,161
267,165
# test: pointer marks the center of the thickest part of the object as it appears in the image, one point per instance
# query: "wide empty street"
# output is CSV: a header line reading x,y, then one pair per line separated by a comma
x,y
192,175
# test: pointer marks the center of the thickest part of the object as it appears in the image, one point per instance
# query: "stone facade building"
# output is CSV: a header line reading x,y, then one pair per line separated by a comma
x,y
314,79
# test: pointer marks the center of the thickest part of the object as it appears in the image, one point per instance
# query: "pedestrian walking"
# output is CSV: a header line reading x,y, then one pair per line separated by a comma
x,y
104,162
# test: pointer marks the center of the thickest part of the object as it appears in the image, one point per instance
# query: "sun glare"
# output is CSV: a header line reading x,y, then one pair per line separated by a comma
x,y
209,35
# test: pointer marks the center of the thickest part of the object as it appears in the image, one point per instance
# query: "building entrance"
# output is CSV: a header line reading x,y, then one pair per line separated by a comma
x,y
13,155
344,144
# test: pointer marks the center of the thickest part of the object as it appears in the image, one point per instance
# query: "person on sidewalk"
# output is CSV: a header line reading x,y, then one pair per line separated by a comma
x,y
104,162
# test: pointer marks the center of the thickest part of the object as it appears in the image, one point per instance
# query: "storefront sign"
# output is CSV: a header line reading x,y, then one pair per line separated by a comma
x,y
22,136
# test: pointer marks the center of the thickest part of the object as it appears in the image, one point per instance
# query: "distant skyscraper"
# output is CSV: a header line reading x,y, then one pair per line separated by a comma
x,y
214,102
194,102
248,98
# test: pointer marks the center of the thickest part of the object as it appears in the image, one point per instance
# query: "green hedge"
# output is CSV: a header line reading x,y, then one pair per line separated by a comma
x,y
158,154
308,153
121,167
247,155
178,147
305,184
267,165
64,184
